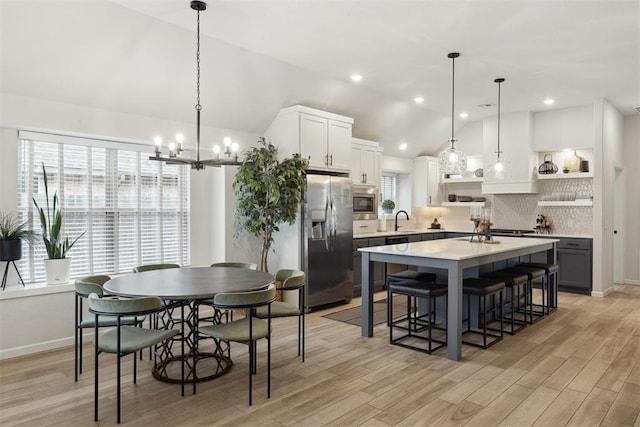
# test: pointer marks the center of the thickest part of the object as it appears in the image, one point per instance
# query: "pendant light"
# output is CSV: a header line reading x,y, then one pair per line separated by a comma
x,y
452,161
230,154
499,168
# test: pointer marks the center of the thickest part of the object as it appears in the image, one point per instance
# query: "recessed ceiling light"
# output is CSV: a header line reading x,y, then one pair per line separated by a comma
x,y
549,101
464,115
356,77
418,100
403,146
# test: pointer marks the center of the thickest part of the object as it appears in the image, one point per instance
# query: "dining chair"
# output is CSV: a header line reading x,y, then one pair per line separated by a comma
x,y
287,281
247,330
123,339
236,264
149,267
216,316
84,287
168,305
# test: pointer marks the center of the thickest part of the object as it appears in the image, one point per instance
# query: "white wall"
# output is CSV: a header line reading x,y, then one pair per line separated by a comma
x,y
631,164
563,128
608,130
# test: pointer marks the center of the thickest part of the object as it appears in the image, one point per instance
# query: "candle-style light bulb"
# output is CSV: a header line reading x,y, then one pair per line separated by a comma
x,y
172,148
216,151
227,141
158,142
179,140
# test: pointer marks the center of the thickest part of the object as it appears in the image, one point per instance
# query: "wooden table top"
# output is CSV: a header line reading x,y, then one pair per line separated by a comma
x,y
188,283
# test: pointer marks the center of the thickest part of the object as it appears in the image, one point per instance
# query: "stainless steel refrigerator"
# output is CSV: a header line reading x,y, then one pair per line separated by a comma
x,y
327,240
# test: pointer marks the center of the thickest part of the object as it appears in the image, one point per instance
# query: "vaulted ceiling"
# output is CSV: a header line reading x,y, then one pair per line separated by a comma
x,y
138,57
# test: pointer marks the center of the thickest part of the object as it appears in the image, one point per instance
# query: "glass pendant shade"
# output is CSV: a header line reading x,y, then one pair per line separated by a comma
x,y
499,167
452,161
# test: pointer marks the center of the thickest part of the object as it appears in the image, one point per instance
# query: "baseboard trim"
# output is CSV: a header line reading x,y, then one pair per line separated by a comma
x,y
631,282
598,294
36,348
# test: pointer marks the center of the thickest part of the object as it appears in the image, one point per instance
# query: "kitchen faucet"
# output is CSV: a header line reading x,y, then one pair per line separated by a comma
x,y
398,213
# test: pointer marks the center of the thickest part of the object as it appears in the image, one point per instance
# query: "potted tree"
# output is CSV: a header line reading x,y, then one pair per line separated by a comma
x,y
57,264
12,233
269,193
388,206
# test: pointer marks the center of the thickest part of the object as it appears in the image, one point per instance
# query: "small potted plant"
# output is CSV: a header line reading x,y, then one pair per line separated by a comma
x,y
51,221
388,206
12,233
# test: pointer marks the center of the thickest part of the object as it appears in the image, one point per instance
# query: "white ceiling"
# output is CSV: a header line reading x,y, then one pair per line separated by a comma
x,y
138,56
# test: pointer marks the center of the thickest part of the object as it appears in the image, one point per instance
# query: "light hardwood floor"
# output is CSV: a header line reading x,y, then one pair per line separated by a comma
x,y
579,367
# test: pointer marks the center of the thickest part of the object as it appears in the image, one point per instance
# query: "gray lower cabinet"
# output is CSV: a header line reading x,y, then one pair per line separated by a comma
x,y
378,268
576,265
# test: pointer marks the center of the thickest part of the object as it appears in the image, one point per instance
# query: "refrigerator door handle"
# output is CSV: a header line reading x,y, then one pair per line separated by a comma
x,y
327,225
334,226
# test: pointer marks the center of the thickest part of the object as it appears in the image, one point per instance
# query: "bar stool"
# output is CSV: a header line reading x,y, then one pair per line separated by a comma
x,y
518,297
483,288
417,325
550,269
533,274
402,276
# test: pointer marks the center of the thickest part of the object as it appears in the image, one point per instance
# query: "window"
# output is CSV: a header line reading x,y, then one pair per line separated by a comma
x,y
387,189
134,211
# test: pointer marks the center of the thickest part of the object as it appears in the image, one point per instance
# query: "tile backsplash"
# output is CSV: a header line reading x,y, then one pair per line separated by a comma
x,y
521,210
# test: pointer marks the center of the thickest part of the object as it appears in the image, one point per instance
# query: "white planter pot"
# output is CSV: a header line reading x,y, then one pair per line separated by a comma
x,y
57,271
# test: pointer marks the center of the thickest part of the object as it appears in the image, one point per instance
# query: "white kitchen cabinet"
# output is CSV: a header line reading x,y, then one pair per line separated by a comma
x,y
365,162
427,189
323,137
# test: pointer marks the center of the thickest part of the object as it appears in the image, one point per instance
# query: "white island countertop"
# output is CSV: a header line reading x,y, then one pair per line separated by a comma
x,y
457,248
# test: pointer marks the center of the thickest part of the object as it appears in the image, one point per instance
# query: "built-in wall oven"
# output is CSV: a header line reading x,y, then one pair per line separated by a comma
x,y
365,202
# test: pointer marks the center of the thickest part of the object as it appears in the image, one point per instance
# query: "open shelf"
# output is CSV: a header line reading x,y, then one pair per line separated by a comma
x,y
579,202
460,180
569,175
454,204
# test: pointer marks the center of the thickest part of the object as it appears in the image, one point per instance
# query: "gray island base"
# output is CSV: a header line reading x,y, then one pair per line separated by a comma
x,y
460,258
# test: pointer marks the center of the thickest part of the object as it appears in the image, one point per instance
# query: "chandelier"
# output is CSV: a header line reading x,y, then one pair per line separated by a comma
x,y
230,153
452,161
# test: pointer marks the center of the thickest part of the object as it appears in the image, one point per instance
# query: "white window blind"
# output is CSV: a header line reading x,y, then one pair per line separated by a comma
x,y
387,189
134,211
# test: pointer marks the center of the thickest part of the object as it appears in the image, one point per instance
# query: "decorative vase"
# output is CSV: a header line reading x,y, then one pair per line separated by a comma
x,y
10,250
57,271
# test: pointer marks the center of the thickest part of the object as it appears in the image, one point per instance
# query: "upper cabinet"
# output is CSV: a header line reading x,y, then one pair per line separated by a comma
x,y
426,182
323,137
564,128
365,162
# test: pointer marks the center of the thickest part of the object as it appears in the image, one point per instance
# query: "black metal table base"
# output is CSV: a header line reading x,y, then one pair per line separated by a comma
x,y
182,351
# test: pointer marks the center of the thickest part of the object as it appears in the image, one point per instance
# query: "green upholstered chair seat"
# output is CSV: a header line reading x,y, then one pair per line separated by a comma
x,y
132,339
237,331
278,309
89,322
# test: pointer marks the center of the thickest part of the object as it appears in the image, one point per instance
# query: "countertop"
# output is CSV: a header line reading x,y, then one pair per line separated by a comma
x,y
457,248
407,231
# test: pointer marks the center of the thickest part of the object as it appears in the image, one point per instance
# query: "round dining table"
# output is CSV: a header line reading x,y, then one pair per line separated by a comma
x,y
183,290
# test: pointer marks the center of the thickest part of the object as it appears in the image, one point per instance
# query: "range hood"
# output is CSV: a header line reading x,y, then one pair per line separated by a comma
x,y
516,132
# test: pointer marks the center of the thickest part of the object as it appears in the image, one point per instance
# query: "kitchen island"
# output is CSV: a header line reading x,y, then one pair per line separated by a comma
x,y
458,256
